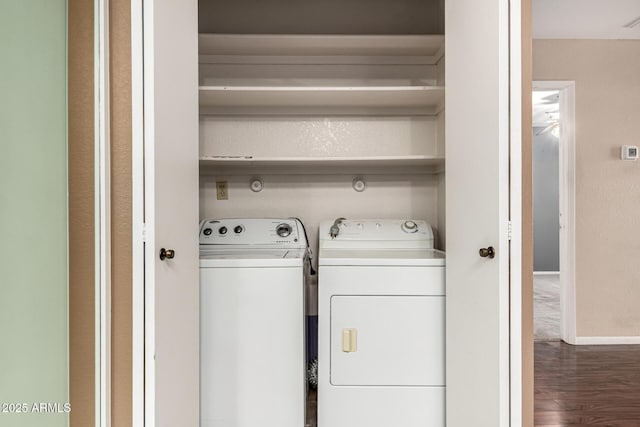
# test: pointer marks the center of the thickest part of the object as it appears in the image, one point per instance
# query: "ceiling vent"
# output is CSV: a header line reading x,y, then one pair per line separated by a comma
x,y
633,24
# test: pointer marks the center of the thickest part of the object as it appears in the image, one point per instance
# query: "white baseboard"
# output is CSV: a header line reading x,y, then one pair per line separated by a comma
x,y
546,273
607,340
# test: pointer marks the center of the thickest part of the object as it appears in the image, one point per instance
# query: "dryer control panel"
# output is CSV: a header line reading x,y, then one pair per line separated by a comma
x,y
268,232
372,233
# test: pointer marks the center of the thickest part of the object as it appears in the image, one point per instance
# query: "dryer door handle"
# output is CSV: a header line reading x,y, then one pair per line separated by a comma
x,y
350,340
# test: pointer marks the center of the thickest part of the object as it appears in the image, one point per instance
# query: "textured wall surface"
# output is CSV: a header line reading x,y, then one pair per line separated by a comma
x,y
405,193
318,136
121,211
81,214
314,198
607,76
527,220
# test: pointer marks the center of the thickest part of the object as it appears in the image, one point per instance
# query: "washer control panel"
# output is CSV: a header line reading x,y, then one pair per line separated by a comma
x,y
281,232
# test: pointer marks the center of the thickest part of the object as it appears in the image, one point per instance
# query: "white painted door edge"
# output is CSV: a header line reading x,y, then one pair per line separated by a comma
x,y
138,244
515,214
102,171
546,273
567,156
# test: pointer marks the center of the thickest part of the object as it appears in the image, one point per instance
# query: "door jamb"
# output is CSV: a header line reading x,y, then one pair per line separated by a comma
x,y
138,219
515,214
567,159
102,171
138,365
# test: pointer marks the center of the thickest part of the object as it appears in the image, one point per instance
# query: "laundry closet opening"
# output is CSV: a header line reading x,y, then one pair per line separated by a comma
x,y
322,109
309,95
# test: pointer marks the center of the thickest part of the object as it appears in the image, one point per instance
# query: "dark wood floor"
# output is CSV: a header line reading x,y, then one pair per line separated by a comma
x,y
587,385
312,405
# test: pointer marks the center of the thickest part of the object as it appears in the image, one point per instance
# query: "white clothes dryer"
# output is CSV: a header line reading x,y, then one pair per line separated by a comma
x,y
381,311
252,322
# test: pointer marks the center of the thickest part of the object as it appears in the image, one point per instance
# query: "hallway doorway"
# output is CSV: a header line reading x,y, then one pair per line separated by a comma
x,y
553,211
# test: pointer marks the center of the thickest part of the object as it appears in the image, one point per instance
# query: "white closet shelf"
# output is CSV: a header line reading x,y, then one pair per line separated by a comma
x,y
432,162
428,46
428,97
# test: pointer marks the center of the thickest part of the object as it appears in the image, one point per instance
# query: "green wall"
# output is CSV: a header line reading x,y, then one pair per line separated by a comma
x,y
33,211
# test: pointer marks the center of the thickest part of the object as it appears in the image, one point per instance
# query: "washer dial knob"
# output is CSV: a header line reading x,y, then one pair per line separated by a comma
x,y
207,231
409,227
238,229
222,230
283,230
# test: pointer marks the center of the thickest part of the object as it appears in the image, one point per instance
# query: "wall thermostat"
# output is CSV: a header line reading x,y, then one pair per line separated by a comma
x,y
629,152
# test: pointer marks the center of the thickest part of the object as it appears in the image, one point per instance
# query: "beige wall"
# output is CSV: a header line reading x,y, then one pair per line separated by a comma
x,y
527,221
121,210
607,76
81,213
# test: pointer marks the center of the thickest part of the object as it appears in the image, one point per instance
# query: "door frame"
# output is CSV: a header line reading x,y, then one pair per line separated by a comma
x,y
511,412
102,171
515,226
138,219
567,182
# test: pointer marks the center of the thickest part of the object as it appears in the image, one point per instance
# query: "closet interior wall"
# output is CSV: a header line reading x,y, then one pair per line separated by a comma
x,y
306,98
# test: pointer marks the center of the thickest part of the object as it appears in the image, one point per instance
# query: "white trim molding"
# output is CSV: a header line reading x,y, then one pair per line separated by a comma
x,y
515,213
138,244
103,215
607,340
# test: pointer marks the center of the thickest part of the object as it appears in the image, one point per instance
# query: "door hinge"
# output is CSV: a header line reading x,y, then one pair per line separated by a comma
x,y
144,232
509,230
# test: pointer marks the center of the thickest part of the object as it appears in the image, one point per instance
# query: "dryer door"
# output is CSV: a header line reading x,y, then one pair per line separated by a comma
x,y
387,340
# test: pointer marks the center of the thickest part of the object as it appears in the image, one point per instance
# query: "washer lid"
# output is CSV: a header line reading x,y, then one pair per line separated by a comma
x,y
382,257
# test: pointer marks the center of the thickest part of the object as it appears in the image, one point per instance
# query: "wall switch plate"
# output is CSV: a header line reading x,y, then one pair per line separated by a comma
x,y
629,152
222,190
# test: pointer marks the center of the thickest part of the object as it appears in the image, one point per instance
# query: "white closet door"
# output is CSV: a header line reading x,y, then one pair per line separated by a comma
x,y
477,208
171,212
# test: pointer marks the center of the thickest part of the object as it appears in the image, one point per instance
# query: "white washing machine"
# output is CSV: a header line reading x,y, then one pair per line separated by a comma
x,y
381,296
252,323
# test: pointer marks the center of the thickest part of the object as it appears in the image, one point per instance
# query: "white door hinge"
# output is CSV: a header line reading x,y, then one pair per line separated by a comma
x,y
144,232
509,230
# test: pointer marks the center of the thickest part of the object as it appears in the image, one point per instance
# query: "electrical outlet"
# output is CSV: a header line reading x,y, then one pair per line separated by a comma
x,y
222,190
